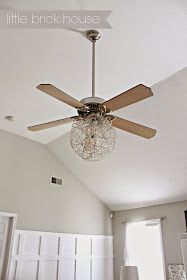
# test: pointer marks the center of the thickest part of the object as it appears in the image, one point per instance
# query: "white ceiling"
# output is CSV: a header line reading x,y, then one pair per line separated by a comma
x,y
141,172
147,44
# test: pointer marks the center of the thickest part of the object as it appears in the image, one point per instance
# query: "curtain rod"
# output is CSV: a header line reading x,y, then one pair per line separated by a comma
x,y
161,218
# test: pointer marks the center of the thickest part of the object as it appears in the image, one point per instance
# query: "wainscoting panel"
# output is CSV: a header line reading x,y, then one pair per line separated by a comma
x,y
59,256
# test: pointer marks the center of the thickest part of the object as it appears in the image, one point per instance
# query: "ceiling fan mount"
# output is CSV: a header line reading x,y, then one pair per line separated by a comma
x,y
92,136
93,35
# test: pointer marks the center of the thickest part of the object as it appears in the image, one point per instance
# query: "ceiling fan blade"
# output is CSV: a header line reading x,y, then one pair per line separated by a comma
x,y
132,127
60,95
42,126
128,97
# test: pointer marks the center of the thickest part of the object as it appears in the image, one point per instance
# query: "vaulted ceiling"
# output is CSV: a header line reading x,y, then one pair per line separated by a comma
x,y
147,44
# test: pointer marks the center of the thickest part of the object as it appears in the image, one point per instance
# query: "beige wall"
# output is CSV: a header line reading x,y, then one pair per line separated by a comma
x,y
171,227
25,171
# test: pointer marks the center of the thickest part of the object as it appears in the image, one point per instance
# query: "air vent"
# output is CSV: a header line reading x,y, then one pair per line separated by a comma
x,y
56,181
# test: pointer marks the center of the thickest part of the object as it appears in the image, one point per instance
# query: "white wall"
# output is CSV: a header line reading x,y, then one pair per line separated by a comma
x,y
25,171
171,227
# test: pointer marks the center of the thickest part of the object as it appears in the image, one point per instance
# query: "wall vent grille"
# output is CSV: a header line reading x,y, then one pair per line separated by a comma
x,y
56,181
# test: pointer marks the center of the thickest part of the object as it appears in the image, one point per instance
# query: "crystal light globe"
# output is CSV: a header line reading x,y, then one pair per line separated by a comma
x,y
92,137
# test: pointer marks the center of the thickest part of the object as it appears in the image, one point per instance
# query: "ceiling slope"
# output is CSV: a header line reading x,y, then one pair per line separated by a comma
x,y
141,172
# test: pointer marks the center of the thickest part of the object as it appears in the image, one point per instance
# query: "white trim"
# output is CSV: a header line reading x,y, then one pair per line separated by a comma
x,y
64,234
10,215
183,235
11,232
162,249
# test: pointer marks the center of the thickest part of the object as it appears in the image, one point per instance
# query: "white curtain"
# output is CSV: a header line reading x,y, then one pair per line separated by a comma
x,y
144,249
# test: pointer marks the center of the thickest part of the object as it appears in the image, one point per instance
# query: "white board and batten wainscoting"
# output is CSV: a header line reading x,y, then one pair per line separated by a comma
x,y
58,256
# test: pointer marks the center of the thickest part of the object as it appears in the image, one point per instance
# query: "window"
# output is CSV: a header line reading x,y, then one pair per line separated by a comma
x,y
144,249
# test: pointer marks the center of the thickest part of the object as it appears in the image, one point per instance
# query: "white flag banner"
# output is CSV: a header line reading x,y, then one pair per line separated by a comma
x,y
54,19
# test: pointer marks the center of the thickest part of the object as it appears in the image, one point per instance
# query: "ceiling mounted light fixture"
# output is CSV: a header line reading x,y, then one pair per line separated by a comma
x,y
92,135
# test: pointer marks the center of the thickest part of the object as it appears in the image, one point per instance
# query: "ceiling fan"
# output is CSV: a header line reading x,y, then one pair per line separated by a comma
x,y
95,113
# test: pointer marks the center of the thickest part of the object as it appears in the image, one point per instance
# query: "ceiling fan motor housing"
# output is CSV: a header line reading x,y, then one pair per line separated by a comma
x,y
89,100
92,105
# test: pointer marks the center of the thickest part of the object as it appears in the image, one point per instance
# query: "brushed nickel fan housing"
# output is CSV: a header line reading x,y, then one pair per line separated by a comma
x,y
90,100
92,105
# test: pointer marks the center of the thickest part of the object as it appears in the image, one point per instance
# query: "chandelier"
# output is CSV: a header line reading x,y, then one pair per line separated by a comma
x,y
92,137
